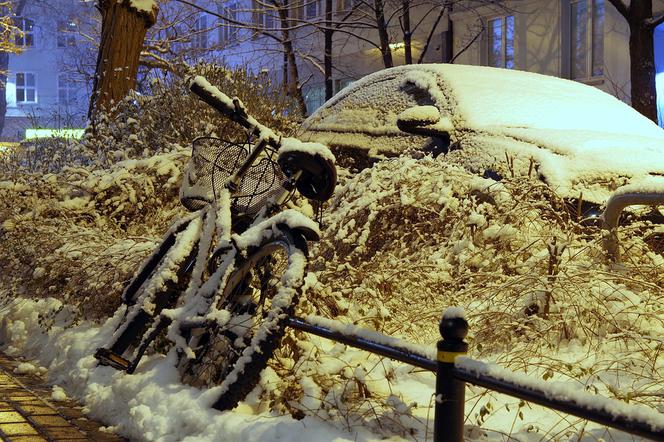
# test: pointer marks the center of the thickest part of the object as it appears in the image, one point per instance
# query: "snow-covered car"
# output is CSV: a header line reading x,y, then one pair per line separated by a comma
x,y
584,143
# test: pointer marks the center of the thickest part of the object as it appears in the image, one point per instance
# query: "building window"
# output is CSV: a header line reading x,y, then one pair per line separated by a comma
x,y
339,84
67,33
268,18
25,38
501,42
587,39
66,89
349,5
314,98
200,33
311,9
228,30
26,87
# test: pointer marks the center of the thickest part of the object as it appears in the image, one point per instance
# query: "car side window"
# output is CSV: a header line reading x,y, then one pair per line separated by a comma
x,y
374,107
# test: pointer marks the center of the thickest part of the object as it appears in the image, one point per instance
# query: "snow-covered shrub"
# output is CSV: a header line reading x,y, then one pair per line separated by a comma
x,y
77,217
408,238
80,234
172,116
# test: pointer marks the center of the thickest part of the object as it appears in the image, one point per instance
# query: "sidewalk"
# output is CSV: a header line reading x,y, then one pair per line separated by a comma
x,y
27,412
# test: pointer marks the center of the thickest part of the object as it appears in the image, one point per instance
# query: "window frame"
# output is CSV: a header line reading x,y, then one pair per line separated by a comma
x,y
25,87
21,37
267,14
590,40
69,88
307,5
503,40
227,31
66,30
200,38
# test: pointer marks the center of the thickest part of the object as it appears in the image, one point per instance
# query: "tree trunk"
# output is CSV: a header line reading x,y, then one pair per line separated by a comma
x,y
381,24
642,70
327,57
642,58
294,88
4,71
4,67
123,30
407,34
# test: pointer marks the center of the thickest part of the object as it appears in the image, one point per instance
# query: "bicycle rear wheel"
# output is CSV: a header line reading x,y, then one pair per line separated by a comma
x,y
258,297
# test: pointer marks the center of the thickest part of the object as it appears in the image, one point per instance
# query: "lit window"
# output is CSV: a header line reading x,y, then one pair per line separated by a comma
x,y
228,30
587,38
26,37
200,33
26,87
67,33
501,42
66,89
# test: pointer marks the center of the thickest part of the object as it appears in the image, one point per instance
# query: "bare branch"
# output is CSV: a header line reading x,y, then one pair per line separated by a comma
x,y
620,7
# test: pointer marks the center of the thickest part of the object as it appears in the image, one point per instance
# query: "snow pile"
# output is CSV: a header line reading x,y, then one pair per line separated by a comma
x,y
151,404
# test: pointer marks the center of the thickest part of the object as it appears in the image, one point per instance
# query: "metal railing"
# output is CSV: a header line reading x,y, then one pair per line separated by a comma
x,y
453,373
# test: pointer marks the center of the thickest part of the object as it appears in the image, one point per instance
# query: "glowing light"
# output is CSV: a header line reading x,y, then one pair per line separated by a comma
x,y
31,134
395,46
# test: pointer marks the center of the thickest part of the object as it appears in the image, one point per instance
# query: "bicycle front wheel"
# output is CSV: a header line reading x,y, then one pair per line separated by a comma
x,y
257,299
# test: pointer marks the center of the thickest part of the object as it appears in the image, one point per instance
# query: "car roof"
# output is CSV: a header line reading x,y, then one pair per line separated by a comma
x,y
484,97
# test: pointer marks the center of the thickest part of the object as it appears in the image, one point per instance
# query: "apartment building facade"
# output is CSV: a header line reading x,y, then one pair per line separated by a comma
x,y
46,86
583,40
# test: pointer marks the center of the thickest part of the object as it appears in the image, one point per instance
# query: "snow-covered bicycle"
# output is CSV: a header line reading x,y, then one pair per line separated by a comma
x,y
224,279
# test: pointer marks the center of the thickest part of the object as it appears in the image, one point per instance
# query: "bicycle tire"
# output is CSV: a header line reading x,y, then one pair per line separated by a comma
x,y
229,360
166,272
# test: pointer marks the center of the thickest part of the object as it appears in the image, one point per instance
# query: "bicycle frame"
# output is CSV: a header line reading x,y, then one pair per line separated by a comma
x,y
214,221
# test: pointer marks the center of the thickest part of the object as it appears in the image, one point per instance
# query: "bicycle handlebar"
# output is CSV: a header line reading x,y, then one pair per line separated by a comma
x,y
233,109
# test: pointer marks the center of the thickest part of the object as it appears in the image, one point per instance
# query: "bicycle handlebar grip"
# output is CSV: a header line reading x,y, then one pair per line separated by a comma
x,y
232,108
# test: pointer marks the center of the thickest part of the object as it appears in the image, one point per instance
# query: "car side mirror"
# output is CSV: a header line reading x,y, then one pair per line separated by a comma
x,y
424,120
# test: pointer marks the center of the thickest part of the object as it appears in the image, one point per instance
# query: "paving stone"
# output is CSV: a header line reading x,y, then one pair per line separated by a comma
x,y
50,421
10,416
64,433
38,409
32,438
27,414
16,429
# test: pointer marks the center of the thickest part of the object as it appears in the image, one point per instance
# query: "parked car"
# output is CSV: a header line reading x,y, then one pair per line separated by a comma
x,y
581,141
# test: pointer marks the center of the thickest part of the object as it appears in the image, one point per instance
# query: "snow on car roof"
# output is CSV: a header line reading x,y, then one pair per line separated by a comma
x,y
488,96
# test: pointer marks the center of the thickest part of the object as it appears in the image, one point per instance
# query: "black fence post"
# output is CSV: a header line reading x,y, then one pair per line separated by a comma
x,y
450,392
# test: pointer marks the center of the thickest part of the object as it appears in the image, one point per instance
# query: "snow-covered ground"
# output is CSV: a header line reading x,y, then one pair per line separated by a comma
x,y
153,405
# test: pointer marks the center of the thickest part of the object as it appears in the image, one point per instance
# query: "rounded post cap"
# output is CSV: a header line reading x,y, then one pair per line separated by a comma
x,y
453,325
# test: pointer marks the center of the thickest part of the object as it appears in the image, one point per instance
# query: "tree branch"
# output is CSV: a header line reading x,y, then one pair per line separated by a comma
x,y
653,22
620,7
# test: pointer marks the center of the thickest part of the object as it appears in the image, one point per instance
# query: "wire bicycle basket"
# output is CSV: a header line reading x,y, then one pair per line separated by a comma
x,y
213,162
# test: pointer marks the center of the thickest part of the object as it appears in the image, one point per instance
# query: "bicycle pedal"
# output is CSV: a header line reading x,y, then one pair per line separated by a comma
x,y
111,359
